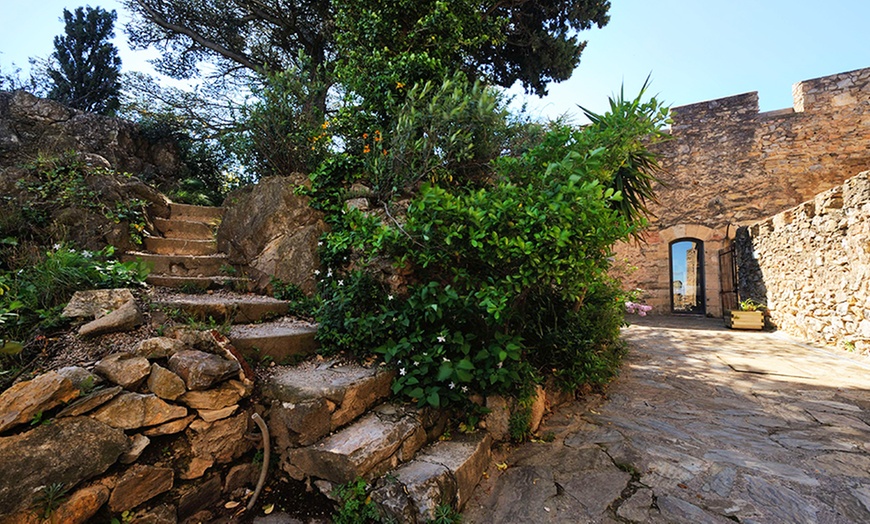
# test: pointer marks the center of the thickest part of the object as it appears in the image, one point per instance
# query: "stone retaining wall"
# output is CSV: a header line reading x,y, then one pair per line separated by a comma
x,y
811,265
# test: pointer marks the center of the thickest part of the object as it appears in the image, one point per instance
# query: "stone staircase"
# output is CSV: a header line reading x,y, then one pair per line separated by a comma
x,y
331,421
332,425
186,256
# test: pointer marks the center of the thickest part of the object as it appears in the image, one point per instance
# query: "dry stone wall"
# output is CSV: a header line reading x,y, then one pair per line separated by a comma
x,y
811,265
728,164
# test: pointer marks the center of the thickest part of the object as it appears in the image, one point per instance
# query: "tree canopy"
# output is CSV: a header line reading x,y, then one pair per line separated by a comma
x,y
502,41
85,68
234,35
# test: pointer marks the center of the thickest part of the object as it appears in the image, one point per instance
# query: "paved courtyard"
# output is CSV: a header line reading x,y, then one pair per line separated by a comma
x,y
704,425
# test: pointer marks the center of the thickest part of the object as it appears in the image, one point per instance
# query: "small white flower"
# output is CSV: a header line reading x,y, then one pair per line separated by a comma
x,y
87,254
402,372
390,297
56,247
451,385
320,243
416,363
445,359
442,339
316,271
341,282
329,272
464,389
500,365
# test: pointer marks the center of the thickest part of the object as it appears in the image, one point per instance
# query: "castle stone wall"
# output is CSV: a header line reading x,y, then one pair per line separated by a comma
x,y
811,265
728,164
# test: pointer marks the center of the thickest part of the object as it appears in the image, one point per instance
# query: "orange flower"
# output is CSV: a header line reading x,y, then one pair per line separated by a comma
x,y
365,136
399,85
367,149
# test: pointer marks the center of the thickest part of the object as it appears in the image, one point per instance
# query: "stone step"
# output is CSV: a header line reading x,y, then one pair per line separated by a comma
x,y
373,445
443,473
221,307
180,246
279,340
171,228
208,214
182,265
314,398
202,283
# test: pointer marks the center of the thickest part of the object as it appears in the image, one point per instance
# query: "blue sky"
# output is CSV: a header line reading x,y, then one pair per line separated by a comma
x,y
695,50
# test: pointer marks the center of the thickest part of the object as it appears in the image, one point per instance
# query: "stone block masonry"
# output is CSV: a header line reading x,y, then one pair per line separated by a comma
x,y
729,165
811,265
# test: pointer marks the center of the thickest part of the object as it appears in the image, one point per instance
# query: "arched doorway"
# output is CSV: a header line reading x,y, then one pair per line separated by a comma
x,y
687,276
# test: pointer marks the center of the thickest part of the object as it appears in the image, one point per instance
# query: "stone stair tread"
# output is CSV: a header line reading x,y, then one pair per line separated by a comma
x,y
313,398
369,447
280,339
236,307
282,327
180,246
180,258
201,282
316,379
190,229
445,472
195,213
181,265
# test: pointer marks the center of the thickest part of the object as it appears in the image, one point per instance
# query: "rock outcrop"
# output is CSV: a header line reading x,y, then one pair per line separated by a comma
x,y
30,125
272,231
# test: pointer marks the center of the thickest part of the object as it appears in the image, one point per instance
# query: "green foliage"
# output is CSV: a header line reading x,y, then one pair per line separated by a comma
x,y
383,43
38,292
207,176
445,514
626,132
577,345
507,275
520,423
86,65
446,132
300,303
284,131
751,305
62,182
356,506
50,498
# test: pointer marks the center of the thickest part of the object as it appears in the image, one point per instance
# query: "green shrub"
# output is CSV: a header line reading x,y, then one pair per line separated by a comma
x,y
284,131
58,182
300,303
495,280
38,292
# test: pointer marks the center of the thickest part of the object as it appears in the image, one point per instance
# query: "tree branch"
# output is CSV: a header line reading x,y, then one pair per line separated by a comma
x,y
155,17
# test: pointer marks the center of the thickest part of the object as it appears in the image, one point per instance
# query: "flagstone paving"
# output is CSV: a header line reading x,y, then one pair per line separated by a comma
x,y
704,425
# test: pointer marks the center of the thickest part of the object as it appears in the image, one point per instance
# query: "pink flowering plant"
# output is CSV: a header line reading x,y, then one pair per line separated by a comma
x,y
638,309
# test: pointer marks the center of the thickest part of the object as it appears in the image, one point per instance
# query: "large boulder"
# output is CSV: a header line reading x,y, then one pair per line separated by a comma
x,y
272,230
67,451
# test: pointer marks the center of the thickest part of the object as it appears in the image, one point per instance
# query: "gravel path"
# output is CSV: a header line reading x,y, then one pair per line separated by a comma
x,y
703,425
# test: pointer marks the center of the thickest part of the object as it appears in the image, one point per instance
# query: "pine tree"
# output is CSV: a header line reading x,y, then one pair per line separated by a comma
x,y
86,69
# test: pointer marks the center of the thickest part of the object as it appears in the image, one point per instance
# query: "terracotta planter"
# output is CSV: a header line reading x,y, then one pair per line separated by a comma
x,y
744,319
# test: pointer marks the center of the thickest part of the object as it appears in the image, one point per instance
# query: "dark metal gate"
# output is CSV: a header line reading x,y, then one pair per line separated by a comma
x,y
728,278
